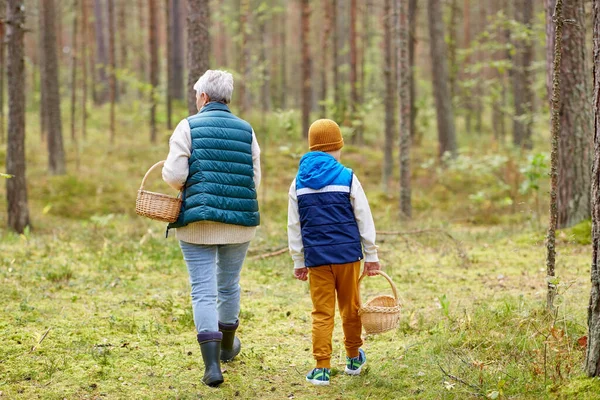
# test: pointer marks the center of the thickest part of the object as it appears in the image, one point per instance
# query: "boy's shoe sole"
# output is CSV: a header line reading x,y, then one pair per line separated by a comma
x,y
355,372
317,382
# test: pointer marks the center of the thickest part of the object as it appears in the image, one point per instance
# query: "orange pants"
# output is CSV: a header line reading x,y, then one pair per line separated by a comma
x,y
324,282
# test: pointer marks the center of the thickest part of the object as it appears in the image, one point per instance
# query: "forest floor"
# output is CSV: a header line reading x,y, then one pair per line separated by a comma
x,y
95,301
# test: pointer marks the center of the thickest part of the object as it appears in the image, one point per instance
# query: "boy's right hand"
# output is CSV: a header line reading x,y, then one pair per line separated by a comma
x,y
301,273
371,268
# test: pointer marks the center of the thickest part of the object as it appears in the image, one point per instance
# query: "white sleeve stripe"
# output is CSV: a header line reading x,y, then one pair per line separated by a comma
x,y
326,189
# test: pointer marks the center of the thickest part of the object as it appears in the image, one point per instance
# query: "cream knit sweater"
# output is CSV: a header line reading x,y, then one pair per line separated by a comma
x,y
175,173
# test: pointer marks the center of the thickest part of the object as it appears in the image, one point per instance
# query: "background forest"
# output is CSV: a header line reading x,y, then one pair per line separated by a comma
x,y
445,106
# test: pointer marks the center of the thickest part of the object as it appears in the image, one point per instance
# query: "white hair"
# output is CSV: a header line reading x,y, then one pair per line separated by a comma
x,y
218,85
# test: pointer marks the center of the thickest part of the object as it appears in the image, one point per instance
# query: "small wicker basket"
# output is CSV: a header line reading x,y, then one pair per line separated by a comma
x,y
381,313
160,207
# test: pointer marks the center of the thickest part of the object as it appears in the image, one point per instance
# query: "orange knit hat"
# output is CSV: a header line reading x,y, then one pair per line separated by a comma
x,y
325,135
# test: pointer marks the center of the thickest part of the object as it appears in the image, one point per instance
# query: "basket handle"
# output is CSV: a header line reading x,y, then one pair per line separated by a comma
x,y
386,276
158,164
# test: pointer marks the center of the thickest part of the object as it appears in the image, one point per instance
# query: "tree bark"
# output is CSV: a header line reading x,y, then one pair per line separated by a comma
x,y
170,62
353,72
521,78
404,91
283,57
265,78
50,84
443,100
85,52
574,160
111,59
412,25
153,47
178,52
592,359
74,70
390,103
123,43
101,56
554,157
452,47
468,103
16,187
198,41
2,68
306,67
327,6
244,92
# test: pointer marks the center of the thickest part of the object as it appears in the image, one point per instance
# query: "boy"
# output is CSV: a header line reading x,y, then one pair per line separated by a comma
x,y
329,226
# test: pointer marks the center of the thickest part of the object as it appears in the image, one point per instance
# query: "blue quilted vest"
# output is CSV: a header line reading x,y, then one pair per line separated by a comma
x,y
330,233
220,184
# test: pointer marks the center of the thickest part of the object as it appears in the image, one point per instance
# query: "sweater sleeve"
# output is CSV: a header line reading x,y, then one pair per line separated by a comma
x,y
176,168
294,233
256,161
364,219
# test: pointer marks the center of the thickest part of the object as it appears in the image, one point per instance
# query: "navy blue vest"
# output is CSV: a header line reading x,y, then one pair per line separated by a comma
x,y
330,233
220,184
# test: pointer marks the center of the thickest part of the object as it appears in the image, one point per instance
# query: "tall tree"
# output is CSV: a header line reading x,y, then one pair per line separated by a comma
x,y
467,101
283,56
265,92
2,67
85,52
74,69
101,56
335,59
592,359
390,96
574,160
153,48
113,66
50,84
521,76
306,66
555,106
441,90
404,90
353,70
327,11
16,187
178,51
244,56
170,61
123,40
412,26
198,41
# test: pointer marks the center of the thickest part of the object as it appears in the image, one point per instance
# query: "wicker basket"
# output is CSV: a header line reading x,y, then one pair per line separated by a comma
x,y
381,313
160,207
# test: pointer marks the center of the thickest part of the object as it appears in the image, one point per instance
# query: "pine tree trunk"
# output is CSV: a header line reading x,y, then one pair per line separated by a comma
x,y
283,58
123,43
324,53
50,85
85,52
452,47
390,104
101,56
554,157
521,78
467,101
353,73
335,59
74,71
16,187
142,67
178,51
170,62
404,92
44,124
198,42
153,49
412,26
443,100
111,75
2,68
306,67
244,55
574,159
592,359
90,48
265,89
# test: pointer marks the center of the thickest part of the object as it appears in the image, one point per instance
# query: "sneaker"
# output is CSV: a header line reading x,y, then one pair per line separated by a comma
x,y
319,376
354,365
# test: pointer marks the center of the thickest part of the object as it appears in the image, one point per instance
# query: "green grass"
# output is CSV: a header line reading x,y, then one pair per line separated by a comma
x,y
112,294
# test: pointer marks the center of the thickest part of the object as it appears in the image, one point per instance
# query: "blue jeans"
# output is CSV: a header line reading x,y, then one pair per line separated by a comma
x,y
215,278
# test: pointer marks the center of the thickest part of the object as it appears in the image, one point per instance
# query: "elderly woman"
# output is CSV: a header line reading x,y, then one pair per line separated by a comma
x,y
215,159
